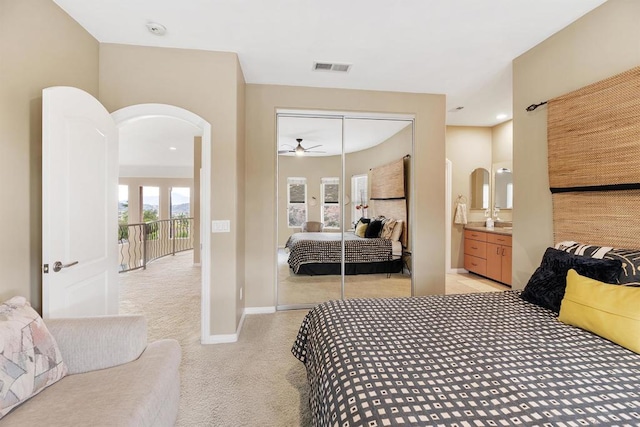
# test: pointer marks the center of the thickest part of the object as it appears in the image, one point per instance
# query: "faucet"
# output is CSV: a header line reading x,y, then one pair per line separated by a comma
x,y
496,211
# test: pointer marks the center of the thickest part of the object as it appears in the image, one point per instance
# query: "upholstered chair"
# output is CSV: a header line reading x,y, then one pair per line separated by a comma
x,y
312,226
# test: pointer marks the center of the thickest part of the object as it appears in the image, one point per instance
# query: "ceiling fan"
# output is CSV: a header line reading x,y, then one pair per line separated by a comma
x,y
300,150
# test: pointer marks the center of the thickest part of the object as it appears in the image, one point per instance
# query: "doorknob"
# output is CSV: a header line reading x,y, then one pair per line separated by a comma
x,y
57,266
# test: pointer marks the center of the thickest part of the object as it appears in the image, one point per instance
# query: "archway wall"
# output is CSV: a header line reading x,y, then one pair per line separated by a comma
x,y
210,85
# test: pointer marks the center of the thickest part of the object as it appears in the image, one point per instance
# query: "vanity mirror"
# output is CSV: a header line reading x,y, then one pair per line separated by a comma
x,y
480,189
503,188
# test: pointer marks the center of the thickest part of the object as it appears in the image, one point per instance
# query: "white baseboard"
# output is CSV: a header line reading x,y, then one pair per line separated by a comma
x,y
259,310
226,338
457,271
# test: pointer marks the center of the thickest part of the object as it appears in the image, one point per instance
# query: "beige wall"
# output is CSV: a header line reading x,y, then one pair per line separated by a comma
x,y
40,46
502,142
501,156
261,240
468,148
600,44
207,84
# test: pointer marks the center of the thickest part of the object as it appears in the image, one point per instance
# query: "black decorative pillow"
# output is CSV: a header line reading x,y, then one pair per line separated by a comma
x,y
364,220
630,259
547,284
374,228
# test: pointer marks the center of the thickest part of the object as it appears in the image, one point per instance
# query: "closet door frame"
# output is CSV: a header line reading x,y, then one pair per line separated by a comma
x,y
344,116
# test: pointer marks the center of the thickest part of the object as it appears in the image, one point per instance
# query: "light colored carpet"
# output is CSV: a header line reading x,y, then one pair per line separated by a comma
x,y
253,382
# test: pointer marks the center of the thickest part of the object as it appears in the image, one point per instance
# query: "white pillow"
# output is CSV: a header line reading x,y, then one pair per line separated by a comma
x,y
30,359
397,230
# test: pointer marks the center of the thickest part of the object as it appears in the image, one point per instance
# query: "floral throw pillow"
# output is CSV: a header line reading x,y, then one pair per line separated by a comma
x,y
29,356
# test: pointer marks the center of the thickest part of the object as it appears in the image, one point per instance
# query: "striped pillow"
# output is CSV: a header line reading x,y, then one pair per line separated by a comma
x,y
630,258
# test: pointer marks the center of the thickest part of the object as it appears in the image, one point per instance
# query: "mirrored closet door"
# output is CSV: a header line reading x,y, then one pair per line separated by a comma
x,y
339,175
377,159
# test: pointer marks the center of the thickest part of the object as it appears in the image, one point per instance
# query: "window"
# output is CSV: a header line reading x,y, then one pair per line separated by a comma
x,y
150,203
359,196
180,202
123,213
330,194
180,212
123,204
296,201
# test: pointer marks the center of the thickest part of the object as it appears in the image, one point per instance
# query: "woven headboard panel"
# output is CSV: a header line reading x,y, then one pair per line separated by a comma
x,y
594,134
607,218
594,162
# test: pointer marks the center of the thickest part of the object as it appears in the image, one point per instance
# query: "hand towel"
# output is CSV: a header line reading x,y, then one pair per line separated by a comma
x,y
461,214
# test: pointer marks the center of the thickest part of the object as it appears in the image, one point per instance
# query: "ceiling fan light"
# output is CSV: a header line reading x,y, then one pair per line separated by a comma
x,y
299,150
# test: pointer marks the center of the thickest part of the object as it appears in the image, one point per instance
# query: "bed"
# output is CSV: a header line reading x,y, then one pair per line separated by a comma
x,y
487,359
511,358
320,254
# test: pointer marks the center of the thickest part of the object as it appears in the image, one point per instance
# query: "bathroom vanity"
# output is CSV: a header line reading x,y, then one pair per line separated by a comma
x,y
487,252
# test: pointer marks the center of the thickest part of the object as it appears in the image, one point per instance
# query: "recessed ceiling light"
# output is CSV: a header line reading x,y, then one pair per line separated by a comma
x,y
501,116
172,148
157,29
456,109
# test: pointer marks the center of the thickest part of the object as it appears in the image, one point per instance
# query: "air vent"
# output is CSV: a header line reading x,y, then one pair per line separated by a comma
x,y
328,66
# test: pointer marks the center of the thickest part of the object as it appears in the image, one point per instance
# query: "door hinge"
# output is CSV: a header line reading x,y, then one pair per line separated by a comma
x,y
45,268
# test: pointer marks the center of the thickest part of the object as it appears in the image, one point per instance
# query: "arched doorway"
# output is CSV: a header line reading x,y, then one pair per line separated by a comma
x,y
133,113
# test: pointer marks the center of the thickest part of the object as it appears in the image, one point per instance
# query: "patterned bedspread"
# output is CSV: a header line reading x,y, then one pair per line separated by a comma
x,y
326,248
487,359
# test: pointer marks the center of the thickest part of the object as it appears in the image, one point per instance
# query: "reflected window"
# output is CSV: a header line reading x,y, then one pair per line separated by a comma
x,y
330,193
359,197
296,201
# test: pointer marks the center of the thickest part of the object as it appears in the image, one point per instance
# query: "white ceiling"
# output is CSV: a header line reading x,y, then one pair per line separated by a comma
x,y
461,48
146,148
359,133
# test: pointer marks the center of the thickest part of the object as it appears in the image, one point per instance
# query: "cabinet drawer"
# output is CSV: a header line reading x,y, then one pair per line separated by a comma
x,y
499,239
475,248
475,235
475,264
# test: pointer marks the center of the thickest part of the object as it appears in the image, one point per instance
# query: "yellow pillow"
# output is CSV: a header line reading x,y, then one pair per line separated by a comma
x,y
361,228
611,311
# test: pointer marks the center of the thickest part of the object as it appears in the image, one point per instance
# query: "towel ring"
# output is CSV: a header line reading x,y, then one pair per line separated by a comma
x,y
461,199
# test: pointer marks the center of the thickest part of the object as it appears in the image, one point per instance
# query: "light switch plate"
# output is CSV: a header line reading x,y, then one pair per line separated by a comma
x,y
221,226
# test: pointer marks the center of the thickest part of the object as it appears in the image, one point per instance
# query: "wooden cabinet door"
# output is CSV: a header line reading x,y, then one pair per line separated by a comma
x,y
494,261
506,264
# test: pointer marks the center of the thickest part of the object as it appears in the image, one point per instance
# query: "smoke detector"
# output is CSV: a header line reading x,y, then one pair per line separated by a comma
x,y
157,29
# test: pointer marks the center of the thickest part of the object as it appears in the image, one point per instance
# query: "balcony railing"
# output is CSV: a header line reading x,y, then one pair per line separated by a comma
x,y
142,243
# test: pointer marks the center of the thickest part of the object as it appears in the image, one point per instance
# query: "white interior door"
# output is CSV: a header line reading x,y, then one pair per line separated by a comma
x,y
79,205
